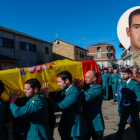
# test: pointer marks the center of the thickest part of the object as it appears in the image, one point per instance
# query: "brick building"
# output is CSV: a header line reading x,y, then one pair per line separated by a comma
x,y
65,50
104,54
29,50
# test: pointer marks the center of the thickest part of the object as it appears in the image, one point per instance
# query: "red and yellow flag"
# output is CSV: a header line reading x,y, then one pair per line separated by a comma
x,y
14,79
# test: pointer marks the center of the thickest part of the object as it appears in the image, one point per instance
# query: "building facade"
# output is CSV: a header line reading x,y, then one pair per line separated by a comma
x,y
136,58
29,50
104,54
65,50
126,57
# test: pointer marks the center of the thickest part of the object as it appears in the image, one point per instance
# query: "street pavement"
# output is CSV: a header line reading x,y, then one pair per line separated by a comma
x,y
111,119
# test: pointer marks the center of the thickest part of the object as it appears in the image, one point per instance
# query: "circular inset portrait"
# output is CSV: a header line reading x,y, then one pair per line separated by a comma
x,y
128,29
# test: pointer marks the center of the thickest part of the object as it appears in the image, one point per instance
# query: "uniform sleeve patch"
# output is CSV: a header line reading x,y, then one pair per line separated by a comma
x,y
32,101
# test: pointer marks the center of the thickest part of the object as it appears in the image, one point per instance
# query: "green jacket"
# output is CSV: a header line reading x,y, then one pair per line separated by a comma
x,y
92,107
2,120
105,79
113,79
35,112
119,82
72,121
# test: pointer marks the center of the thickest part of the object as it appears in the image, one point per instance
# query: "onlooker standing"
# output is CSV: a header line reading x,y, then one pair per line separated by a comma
x,y
129,105
113,82
105,83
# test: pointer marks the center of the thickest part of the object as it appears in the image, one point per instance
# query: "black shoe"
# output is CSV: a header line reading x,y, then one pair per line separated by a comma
x,y
114,101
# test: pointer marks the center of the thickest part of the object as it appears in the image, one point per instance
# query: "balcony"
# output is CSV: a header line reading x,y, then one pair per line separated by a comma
x,y
110,58
125,53
110,51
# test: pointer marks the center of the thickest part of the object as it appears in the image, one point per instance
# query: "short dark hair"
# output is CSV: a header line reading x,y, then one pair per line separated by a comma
x,y
128,71
95,73
65,75
1,87
133,13
34,83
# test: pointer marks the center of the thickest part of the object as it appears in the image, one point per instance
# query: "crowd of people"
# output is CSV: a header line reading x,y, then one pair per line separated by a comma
x,y
124,84
33,116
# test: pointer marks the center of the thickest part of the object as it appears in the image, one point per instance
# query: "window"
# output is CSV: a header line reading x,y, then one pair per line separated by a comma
x,y
32,47
76,51
22,46
98,49
0,42
85,54
82,54
46,50
7,43
98,55
27,46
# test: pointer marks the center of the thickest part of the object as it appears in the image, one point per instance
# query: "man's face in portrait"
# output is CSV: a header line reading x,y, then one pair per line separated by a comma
x,y
134,33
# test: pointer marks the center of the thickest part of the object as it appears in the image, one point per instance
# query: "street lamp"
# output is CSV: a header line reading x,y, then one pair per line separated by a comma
x,y
80,40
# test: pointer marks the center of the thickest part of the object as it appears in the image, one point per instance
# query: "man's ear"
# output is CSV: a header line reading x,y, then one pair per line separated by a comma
x,y
35,90
67,81
94,79
127,32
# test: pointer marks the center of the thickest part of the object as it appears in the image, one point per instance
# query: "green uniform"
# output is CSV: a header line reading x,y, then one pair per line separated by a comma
x,y
113,82
105,84
119,82
92,104
72,123
131,95
2,120
35,112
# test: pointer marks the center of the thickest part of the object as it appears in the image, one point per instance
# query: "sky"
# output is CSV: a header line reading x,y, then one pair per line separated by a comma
x,y
72,20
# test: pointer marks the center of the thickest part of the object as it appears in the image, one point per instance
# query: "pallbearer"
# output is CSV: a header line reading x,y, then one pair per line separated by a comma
x,y
2,114
72,124
92,104
35,112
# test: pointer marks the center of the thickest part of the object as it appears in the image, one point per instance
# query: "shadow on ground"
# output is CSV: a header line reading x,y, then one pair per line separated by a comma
x,y
129,134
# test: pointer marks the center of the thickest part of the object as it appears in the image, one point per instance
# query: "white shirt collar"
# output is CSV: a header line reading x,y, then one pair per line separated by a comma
x,y
92,85
69,87
128,81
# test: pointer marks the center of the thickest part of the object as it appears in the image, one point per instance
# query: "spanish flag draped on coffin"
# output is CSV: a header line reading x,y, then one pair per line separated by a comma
x,y
14,79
